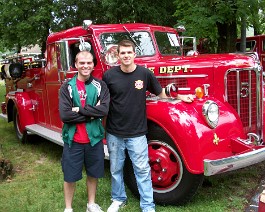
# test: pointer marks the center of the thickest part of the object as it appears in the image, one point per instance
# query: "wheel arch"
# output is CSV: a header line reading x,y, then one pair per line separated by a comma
x,y
23,103
182,147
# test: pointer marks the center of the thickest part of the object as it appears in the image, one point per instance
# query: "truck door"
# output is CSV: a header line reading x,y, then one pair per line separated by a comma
x,y
66,52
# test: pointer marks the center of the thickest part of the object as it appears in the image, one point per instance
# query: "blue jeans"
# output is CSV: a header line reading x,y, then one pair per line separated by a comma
x,y
138,152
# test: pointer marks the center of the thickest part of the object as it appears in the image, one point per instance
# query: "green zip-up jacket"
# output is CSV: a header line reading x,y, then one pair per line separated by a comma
x,y
91,114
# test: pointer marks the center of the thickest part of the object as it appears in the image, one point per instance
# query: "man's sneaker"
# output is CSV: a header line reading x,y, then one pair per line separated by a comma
x,y
149,210
68,210
93,208
116,205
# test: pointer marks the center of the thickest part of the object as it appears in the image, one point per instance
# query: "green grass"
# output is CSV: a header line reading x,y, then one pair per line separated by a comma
x,y
37,185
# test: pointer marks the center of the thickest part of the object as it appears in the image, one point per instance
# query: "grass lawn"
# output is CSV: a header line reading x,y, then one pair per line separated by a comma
x,y
37,184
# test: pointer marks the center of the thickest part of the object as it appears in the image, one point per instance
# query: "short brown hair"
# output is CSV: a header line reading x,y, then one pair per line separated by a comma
x,y
83,53
126,43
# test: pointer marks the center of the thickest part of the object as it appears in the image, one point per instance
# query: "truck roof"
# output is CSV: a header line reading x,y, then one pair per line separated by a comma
x,y
99,28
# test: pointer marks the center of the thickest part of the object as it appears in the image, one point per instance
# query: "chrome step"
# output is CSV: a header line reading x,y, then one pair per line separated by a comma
x,y
46,133
53,136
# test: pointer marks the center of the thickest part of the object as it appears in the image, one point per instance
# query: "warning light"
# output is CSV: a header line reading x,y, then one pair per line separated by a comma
x,y
199,92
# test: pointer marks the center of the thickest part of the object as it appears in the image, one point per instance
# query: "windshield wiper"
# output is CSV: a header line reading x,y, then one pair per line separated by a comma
x,y
134,41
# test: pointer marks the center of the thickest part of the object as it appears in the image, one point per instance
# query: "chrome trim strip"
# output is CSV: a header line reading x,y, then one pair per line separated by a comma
x,y
249,99
183,76
238,92
184,89
213,167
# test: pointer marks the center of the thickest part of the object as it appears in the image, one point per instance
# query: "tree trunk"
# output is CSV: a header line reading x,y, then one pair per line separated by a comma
x,y
243,34
227,37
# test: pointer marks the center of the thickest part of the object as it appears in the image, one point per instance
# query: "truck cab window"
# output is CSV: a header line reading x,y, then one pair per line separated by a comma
x,y
168,43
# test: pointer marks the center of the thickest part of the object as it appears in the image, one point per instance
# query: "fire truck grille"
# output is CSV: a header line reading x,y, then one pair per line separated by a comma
x,y
242,94
180,82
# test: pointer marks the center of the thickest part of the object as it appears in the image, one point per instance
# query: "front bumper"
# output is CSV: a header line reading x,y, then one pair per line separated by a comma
x,y
213,167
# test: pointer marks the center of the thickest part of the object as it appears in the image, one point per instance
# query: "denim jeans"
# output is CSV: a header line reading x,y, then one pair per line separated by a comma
x,y
138,151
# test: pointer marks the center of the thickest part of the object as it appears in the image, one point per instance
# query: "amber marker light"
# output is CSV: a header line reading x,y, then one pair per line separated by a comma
x,y
199,92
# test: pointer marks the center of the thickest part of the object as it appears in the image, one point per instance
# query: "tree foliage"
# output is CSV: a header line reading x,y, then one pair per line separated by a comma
x,y
218,20
146,11
26,22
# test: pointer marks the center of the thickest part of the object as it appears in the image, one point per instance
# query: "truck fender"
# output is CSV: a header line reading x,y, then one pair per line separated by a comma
x,y
21,102
192,137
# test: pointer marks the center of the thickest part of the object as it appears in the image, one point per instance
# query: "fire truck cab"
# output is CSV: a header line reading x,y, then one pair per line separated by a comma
x,y
221,131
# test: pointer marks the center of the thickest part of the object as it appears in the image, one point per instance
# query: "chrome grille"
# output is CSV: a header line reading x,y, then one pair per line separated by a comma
x,y
242,93
180,82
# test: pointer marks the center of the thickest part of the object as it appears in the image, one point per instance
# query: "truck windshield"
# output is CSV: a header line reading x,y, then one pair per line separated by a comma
x,y
142,39
168,43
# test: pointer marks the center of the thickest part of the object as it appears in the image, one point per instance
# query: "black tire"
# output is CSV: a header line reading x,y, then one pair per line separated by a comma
x,y
172,183
21,134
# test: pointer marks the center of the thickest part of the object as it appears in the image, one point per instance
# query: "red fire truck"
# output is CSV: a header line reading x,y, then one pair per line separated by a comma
x,y
255,44
221,131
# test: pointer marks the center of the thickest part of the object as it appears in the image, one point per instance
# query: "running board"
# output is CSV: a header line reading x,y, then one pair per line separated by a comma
x,y
46,133
53,136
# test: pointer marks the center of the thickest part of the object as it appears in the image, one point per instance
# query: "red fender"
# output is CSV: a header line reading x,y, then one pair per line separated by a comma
x,y
24,106
193,138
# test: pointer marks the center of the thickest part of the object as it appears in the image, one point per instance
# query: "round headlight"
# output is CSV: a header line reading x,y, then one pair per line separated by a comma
x,y
211,113
111,55
171,90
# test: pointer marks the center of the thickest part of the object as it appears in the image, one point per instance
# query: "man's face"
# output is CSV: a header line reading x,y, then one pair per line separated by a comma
x,y
85,65
126,55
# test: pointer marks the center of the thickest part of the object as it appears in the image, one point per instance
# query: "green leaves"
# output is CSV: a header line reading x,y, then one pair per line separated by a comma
x,y
26,22
217,20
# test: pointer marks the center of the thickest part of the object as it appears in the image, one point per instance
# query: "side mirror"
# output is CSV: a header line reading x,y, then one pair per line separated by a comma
x,y
85,46
63,61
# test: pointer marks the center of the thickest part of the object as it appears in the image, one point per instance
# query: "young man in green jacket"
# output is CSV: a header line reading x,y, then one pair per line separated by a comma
x,y
84,101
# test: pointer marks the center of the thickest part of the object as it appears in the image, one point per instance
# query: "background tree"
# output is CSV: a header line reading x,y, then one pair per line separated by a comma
x,y
257,17
25,23
69,13
217,20
145,11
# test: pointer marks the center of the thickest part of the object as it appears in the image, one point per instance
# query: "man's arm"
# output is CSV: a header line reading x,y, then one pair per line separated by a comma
x,y
184,98
67,114
101,108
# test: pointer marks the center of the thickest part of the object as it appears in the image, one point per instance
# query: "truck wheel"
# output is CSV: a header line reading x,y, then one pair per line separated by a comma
x,y
21,134
172,183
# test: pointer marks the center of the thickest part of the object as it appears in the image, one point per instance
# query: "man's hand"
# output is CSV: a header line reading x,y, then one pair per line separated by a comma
x,y
75,109
186,98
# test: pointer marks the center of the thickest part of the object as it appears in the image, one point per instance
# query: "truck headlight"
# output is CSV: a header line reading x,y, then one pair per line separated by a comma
x,y
210,112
